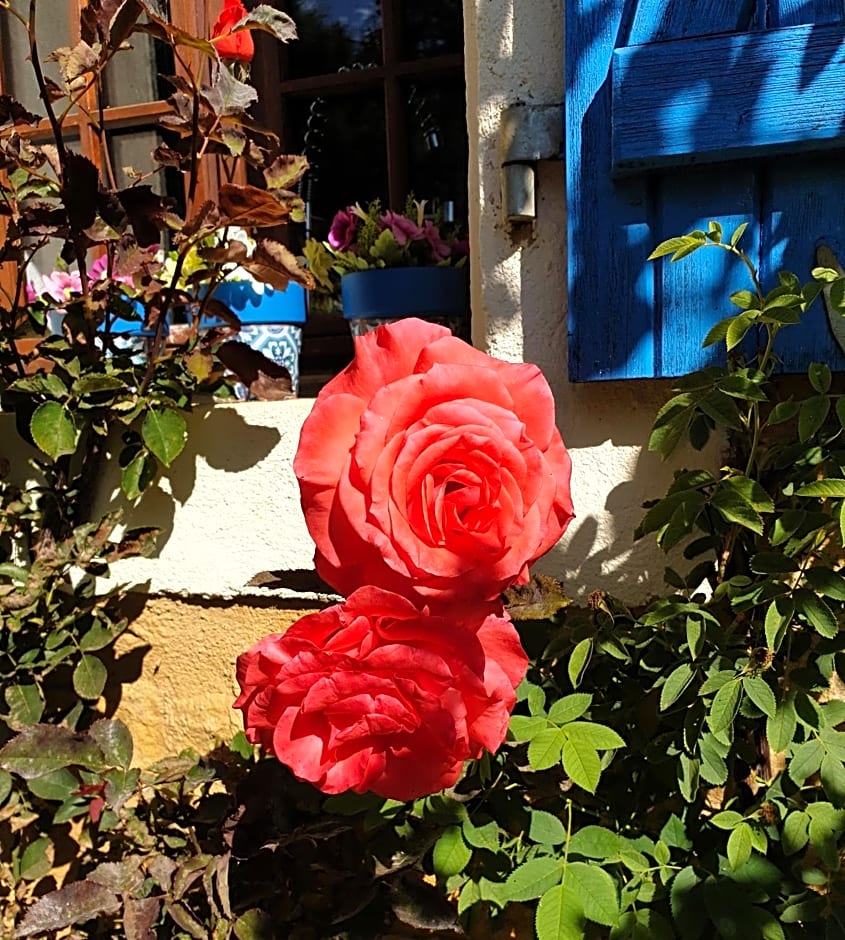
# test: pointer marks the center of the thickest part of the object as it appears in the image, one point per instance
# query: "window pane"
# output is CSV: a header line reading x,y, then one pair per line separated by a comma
x,y
333,35
435,27
134,75
53,28
437,144
343,138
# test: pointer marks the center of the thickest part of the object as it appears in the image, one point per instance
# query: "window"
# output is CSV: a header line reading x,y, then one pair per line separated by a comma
x,y
374,95
134,89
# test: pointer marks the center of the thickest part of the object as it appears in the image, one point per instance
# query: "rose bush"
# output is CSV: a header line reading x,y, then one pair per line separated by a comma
x,y
430,469
377,695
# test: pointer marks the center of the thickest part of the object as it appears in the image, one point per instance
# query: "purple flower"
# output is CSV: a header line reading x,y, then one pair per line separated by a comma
x,y
342,231
440,250
403,229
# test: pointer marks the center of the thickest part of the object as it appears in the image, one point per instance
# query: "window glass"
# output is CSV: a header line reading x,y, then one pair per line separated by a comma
x,y
437,143
343,138
134,75
333,35
435,27
53,29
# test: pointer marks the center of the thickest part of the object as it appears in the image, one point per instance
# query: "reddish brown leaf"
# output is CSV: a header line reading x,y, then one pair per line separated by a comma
x,y
139,917
252,207
75,903
274,264
13,113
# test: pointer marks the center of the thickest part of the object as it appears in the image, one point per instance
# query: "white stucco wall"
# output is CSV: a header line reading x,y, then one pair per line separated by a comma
x,y
232,508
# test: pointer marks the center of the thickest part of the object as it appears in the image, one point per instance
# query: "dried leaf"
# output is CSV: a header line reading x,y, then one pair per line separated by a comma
x,y
73,904
274,264
284,171
139,917
250,206
540,599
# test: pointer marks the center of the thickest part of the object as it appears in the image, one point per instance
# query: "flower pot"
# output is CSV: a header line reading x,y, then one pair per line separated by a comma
x,y
270,320
380,295
128,336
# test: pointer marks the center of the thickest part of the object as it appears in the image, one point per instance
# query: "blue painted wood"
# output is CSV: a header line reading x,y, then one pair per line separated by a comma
x,y
748,95
633,318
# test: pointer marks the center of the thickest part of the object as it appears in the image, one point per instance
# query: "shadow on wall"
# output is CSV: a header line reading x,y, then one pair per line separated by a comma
x,y
222,438
606,426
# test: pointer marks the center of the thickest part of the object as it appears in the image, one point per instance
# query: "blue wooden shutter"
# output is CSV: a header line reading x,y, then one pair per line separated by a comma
x,y
679,112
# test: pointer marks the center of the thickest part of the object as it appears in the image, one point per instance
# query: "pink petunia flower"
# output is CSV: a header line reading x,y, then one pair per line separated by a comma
x,y
403,229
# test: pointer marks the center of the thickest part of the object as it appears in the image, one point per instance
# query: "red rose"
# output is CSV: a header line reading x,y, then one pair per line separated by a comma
x,y
237,46
430,469
376,695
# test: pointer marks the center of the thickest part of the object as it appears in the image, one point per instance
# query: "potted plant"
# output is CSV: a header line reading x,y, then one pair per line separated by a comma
x,y
389,265
270,317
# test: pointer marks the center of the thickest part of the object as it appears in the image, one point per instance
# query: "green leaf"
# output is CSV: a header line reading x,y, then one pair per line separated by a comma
x,y
96,638
812,416
833,779
58,786
674,834
37,860
481,837
760,692
826,581
89,677
546,829
737,329
578,661
778,617
594,842
689,772
817,613
734,508
783,411
772,563
534,878
559,916
676,682
595,890
795,832
451,854
581,763
806,760
743,299
570,707
53,429
722,409
40,749
820,377
138,474
727,819
737,233
599,737
115,741
26,705
545,749
5,786
717,332
674,245
823,488
164,431
724,707
739,846
780,730
524,727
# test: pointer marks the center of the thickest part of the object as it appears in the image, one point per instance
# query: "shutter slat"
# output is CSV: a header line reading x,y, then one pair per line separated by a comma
x,y
727,97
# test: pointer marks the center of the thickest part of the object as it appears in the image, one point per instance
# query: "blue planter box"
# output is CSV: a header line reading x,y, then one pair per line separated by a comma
x,y
271,306
394,293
